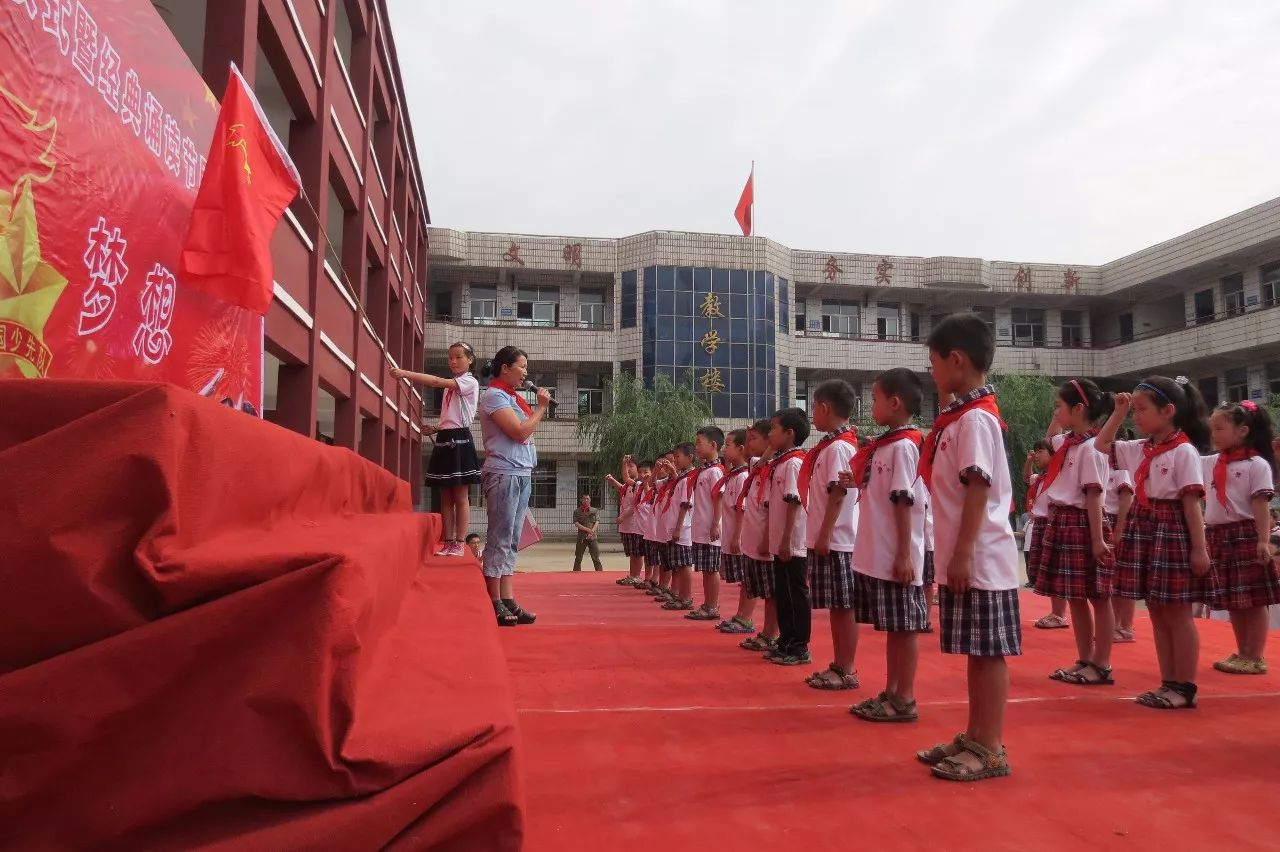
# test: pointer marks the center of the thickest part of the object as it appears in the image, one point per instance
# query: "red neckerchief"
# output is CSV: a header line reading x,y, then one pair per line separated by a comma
x,y
1150,452
669,490
717,490
1059,460
1033,491
849,436
986,402
1220,469
760,468
506,388
773,465
651,494
693,483
861,463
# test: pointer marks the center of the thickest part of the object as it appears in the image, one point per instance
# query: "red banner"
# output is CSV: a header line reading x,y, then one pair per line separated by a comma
x,y
103,128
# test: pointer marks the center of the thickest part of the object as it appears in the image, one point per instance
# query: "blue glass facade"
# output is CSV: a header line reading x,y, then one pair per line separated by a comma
x,y
628,312
784,309
714,327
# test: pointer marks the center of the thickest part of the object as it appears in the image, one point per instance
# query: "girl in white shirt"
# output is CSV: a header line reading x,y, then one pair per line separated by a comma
x,y
1075,559
1162,557
1116,501
454,465
1237,527
1038,514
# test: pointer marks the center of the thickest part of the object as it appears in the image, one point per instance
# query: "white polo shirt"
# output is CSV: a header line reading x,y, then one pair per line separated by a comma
x,y
784,491
892,481
1171,474
702,507
1118,482
649,515
974,446
834,458
730,517
1246,479
755,515
1084,470
458,408
671,514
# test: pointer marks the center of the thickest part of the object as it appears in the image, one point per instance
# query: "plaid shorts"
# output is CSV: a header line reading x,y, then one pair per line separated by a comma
x,y
831,581
928,568
1066,567
678,556
980,623
732,567
632,544
1033,553
1153,561
1239,580
655,553
706,558
890,606
758,578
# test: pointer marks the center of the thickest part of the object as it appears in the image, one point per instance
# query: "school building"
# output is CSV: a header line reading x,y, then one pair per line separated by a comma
x,y
351,255
758,325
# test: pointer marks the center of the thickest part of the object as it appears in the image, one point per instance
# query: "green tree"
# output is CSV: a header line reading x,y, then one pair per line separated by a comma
x,y
643,422
1026,404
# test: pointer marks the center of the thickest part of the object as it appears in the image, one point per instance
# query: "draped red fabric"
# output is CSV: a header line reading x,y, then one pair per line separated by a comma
x,y
217,633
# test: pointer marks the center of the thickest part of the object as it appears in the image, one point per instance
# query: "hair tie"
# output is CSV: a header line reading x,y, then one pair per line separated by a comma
x,y
1183,380
1249,406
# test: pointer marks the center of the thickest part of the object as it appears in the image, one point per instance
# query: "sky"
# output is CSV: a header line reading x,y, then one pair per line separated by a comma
x,y
1052,132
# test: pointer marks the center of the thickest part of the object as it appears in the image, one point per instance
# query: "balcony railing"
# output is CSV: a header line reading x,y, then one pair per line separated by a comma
x,y
512,322
907,337
1195,322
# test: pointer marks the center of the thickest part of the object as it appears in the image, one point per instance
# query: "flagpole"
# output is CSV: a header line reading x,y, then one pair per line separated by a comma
x,y
751,379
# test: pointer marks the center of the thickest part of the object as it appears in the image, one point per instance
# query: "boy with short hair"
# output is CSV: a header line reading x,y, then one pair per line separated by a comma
x,y
632,542
678,521
889,555
475,545
831,527
753,536
655,545
964,466
788,430
706,546
725,523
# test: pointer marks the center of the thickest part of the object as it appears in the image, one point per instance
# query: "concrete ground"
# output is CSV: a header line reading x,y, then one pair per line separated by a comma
x,y
558,556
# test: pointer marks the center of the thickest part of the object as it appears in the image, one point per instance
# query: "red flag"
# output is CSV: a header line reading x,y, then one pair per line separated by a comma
x,y
743,211
247,184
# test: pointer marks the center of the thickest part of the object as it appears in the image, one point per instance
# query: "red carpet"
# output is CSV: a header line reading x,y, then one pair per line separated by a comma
x,y
645,731
218,634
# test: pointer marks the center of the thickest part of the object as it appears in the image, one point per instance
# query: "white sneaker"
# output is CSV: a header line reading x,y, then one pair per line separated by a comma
x,y
446,549
457,549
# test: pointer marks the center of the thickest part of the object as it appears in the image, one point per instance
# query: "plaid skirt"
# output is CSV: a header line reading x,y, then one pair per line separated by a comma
x,y
1033,550
980,623
655,553
831,580
678,556
1239,580
890,606
1066,567
706,558
1153,561
732,567
928,577
758,578
632,544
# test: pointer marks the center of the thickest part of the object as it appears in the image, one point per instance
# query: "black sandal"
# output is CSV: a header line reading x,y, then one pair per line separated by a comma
x,y
522,616
1063,674
1159,700
506,618
1079,678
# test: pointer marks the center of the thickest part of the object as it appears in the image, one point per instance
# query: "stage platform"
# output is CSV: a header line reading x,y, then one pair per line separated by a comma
x,y
645,731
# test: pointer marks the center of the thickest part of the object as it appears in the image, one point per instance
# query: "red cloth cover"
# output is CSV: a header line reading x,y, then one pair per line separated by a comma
x,y
215,633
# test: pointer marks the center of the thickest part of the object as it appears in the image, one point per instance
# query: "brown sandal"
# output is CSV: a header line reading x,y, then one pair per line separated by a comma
x,y
846,680
942,751
879,710
994,764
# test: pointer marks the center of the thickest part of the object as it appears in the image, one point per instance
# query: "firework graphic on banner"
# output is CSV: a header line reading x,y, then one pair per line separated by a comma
x,y
221,361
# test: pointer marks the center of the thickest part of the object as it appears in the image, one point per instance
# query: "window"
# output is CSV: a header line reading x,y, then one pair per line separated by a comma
x,y
1209,390
786,385
840,317
591,308
538,305
1273,378
887,319
335,227
326,416
543,486
915,327
1073,329
784,305
987,315
590,483
343,35
627,368
800,322
629,299
1028,327
1237,384
1126,328
590,394
444,305
1270,275
484,305
802,394
1233,294
1204,306
271,96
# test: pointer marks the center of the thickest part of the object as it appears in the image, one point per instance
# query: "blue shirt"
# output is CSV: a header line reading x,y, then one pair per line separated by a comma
x,y
501,454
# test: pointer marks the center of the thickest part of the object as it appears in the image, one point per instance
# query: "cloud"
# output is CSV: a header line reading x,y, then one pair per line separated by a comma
x,y
1009,130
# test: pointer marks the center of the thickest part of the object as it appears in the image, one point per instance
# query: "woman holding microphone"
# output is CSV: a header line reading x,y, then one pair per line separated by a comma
x,y
507,424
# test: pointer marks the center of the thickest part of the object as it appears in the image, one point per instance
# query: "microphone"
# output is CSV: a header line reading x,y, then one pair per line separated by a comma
x,y
530,386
